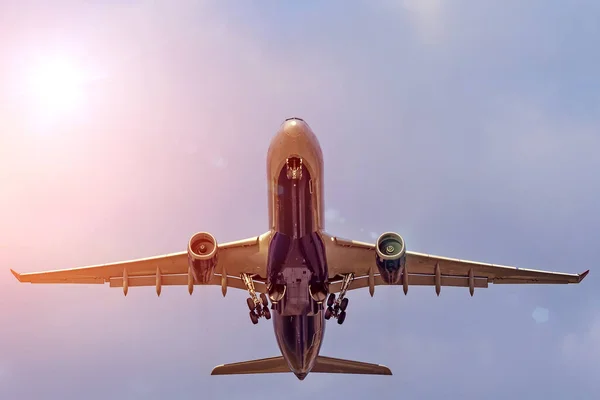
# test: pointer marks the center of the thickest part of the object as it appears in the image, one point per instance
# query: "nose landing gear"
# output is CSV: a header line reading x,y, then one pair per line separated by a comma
x,y
294,168
336,308
259,306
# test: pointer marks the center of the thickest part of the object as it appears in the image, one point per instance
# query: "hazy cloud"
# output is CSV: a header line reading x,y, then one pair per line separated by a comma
x,y
581,351
219,162
426,17
333,215
540,315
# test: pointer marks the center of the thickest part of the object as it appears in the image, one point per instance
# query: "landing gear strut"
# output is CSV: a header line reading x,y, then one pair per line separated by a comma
x,y
259,306
336,308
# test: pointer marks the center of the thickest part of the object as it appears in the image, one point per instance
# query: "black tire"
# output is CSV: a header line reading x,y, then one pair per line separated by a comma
x,y
250,303
330,299
253,317
342,317
328,313
267,312
265,301
344,304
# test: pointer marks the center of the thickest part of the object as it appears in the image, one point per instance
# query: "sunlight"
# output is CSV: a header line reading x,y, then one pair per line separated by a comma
x,y
56,87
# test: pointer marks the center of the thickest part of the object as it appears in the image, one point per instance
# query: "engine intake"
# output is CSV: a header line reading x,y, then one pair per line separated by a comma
x,y
390,257
202,256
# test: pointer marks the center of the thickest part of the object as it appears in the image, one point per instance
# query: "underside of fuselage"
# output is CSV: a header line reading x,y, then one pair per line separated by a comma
x,y
297,264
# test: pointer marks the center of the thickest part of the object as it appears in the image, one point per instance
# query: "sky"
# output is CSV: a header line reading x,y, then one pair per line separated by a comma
x,y
471,128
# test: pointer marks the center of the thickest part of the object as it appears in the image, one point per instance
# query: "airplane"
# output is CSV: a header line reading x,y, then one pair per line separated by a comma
x,y
297,266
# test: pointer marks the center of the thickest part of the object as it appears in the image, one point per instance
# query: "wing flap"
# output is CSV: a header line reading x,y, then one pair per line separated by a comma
x,y
182,280
413,280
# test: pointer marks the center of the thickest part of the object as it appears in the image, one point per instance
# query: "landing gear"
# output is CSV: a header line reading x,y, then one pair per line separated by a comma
x,y
253,317
337,307
331,299
250,303
259,306
328,313
344,304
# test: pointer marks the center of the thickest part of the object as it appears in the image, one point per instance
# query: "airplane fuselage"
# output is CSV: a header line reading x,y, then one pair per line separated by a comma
x,y
297,263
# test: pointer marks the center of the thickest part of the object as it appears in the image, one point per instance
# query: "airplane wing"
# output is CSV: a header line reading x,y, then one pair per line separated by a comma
x,y
349,256
234,258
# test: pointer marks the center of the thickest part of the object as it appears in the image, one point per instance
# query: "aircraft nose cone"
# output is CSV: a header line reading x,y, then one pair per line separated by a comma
x,y
301,375
294,127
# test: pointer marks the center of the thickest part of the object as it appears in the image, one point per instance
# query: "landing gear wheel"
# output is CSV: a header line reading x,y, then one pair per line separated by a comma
x,y
328,313
330,300
341,317
253,317
267,312
344,304
263,299
250,303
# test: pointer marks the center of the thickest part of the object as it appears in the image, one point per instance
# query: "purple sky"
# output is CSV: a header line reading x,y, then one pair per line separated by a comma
x,y
471,128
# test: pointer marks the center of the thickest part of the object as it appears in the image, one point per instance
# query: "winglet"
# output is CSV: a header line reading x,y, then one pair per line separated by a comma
x,y
583,275
16,274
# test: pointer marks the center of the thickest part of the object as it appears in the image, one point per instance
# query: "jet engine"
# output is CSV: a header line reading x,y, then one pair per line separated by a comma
x,y
202,256
390,257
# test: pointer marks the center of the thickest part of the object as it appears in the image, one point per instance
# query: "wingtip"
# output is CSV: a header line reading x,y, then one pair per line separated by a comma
x,y
16,274
386,370
215,370
583,275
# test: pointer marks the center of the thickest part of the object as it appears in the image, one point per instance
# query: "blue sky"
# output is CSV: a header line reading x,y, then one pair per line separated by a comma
x,y
471,128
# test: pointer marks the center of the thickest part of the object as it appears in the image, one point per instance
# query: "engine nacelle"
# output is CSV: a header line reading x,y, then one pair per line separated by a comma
x,y
202,256
391,257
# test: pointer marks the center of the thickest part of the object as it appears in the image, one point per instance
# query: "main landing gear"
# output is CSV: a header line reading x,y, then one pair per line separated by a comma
x,y
336,308
259,306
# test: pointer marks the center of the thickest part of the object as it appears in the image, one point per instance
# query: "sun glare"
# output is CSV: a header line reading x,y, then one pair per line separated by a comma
x,y
56,86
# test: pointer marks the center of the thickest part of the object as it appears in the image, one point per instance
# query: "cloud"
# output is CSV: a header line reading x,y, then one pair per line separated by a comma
x,y
582,350
219,162
540,315
426,17
333,215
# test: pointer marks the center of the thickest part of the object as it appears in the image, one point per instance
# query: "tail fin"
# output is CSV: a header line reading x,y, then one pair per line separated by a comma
x,y
323,365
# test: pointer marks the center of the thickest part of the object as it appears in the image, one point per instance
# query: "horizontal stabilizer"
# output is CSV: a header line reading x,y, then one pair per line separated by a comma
x,y
332,365
323,365
262,366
